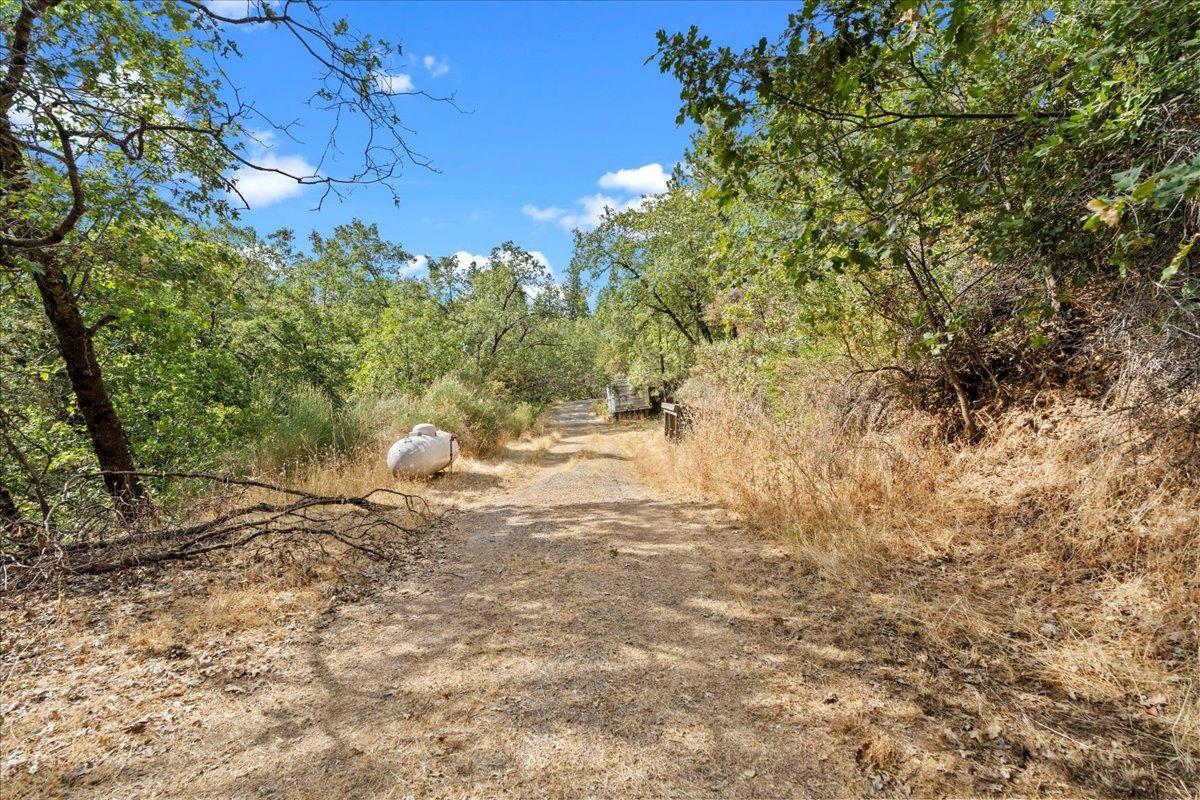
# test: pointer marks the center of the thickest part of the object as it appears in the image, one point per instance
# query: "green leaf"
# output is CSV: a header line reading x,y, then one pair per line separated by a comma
x,y
1144,189
1172,269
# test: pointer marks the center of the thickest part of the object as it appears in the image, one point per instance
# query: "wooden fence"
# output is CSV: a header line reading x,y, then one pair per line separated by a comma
x,y
674,421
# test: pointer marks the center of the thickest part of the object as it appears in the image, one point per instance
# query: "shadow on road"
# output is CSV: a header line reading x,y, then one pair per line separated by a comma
x,y
586,637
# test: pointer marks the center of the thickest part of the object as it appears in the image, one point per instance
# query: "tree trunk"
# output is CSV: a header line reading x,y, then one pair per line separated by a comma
x,y
103,425
74,337
702,326
10,517
970,428
934,317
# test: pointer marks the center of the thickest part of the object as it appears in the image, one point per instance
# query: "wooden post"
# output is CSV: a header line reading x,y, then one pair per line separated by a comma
x,y
672,412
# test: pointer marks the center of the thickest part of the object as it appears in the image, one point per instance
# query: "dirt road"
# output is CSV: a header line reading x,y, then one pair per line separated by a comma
x,y
572,633
578,636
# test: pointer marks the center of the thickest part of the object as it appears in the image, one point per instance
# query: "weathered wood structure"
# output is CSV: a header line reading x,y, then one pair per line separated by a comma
x,y
674,420
624,400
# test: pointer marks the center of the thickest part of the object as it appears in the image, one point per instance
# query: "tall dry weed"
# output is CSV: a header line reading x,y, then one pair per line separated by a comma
x,y
1065,553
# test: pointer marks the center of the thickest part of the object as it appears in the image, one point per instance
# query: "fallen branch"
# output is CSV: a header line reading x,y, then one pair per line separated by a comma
x,y
288,518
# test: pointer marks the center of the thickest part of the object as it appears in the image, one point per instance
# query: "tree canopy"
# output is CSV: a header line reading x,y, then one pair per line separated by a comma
x,y
969,201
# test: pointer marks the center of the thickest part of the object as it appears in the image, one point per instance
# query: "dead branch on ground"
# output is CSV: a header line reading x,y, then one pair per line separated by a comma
x,y
228,513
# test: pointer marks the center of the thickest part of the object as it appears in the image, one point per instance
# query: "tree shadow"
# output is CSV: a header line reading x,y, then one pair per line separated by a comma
x,y
535,677
526,675
587,638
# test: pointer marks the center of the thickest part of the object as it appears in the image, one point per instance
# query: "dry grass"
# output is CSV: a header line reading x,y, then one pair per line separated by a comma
x,y
1054,557
106,670
228,611
88,670
469,474
975,642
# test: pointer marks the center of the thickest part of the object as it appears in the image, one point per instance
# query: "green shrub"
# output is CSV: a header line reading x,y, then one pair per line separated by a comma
x,y
481,416
522,418
311,427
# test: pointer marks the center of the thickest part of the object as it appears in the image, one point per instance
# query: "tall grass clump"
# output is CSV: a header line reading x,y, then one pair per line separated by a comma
x,y
483,417
310,430
311,427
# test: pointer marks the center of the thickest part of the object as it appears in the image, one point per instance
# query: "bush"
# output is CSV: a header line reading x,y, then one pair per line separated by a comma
x,y
312,428
522,418
483,417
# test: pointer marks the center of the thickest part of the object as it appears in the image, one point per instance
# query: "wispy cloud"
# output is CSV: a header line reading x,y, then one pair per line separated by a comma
x,y
591,210
542,214
437,67
394,83
464,259
231,8
20,117
240,9
640,182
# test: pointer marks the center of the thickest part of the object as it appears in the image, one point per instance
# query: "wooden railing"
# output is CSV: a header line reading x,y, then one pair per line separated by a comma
x,y
674,420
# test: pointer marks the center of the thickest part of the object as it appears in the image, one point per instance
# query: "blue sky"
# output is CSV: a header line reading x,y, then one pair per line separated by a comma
x,y
562,116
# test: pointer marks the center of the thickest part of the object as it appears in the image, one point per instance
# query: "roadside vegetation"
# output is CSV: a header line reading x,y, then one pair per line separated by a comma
x,y
145,332
926,284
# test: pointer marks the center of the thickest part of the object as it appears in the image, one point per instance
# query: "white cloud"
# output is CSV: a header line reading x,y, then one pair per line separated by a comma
x,y
591,211
593,208
534,290
542,214
642,183
20,118
263,137
464,259
229,8
650,179
437,68
537,255
398,83
238,9
259,188
414,265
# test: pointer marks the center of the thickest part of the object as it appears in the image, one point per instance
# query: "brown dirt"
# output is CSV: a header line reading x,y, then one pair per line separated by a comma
x,y
575,634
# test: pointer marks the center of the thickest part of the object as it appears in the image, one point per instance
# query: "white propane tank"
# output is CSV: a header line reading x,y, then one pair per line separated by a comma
x,y
424,451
